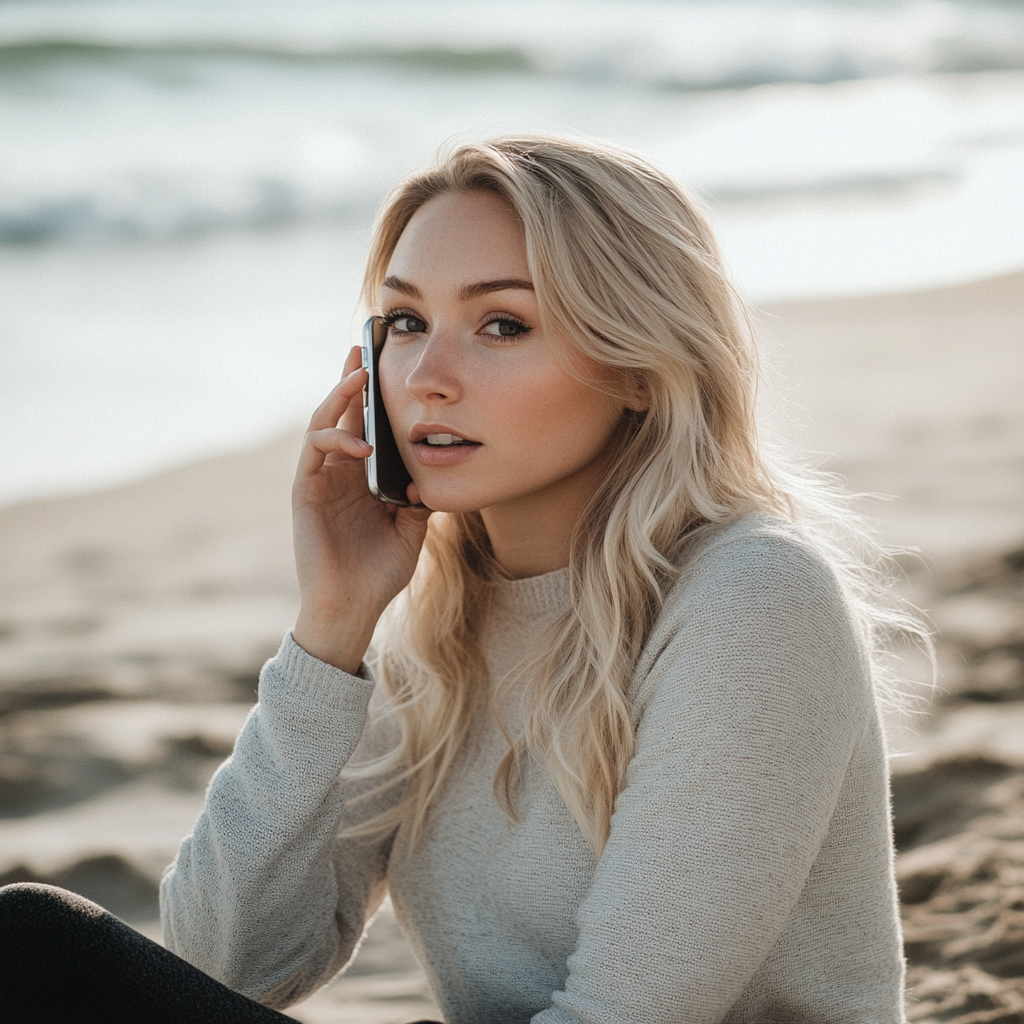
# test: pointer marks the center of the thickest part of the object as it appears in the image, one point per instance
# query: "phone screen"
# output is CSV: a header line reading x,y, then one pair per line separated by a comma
x,y
386,474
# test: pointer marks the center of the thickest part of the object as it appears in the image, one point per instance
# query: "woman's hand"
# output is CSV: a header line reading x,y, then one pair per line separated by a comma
x,y
353,554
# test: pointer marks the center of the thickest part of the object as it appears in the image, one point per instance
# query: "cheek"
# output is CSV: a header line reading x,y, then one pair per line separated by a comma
x,y
392,379
573,419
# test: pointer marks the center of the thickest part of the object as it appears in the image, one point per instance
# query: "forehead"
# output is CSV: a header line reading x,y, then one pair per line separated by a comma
x,y
460,238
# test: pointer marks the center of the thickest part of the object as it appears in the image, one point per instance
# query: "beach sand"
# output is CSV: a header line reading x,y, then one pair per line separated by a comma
x,y
133,624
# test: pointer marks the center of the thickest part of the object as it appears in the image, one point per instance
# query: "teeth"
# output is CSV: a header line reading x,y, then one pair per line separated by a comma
x,y
444,439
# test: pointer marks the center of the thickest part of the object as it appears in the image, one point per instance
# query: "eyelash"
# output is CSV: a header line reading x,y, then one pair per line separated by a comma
x,y
389,318
392,315
507,318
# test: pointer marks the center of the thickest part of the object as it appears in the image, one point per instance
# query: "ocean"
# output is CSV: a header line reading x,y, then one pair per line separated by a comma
x,y
186,188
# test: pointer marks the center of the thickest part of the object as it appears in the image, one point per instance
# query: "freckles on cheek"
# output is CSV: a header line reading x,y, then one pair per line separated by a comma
x,y
391,381
545,392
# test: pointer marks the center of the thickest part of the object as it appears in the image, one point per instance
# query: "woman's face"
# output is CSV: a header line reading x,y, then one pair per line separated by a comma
x,y
467,357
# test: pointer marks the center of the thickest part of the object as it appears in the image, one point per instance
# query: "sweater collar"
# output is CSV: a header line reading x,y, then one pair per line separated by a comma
x,y
534,598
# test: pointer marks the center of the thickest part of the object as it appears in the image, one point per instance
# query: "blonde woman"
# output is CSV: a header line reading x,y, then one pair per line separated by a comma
x,y
599,709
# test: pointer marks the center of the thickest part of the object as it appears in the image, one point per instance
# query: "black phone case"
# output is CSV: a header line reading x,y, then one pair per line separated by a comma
x,y
386,474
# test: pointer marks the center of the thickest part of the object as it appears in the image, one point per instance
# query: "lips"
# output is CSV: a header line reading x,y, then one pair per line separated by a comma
x,y
441,455
441,445
437,435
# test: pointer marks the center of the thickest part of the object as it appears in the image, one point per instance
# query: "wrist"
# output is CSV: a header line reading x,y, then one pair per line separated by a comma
x,y
339,643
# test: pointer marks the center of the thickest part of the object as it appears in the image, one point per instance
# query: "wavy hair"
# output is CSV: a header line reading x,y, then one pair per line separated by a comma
x,y
628,275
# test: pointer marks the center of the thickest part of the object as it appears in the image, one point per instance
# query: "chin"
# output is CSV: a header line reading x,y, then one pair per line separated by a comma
x,y
450,505
443,499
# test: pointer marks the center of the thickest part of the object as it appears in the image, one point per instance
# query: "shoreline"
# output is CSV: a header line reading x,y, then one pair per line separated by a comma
x,y
875,387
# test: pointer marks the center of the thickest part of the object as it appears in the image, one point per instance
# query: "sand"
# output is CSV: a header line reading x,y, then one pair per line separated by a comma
x,y
133,623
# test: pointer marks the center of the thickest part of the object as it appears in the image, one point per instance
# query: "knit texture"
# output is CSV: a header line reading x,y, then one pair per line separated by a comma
x,y
747,879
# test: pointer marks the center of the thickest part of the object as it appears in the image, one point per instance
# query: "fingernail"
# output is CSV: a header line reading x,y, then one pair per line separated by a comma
x,y
364,446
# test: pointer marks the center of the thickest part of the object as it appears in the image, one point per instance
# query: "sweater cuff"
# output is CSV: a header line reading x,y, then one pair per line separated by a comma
x,y
296,678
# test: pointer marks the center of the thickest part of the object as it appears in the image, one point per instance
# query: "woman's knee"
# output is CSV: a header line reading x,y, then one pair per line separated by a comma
x,y
27,907
41,898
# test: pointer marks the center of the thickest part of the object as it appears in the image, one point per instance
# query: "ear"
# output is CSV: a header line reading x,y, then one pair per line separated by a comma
x,y
638,395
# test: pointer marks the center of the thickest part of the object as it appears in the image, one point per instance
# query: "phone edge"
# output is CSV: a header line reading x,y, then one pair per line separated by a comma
x,y
369,416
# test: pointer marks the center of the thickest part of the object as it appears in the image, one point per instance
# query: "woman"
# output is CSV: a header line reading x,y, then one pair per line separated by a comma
x,y
599,708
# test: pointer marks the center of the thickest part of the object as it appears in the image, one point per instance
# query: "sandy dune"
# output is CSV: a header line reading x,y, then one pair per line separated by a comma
x,y
133,624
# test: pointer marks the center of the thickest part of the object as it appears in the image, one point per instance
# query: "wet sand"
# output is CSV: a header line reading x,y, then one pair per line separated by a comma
x,y
133,624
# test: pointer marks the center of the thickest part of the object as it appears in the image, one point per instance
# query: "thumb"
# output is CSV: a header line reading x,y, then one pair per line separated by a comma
x,y
412,494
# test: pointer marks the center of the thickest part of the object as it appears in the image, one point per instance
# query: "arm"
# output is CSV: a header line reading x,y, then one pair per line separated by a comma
x,y
252,898
753,707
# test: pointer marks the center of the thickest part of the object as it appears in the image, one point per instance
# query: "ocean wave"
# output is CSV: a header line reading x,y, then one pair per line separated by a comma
x,y
47,54
166,209
139,122
848,186
682,45
173,209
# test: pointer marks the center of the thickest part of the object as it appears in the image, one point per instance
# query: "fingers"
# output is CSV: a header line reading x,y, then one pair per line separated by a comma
x,y
334,405
414,518
321,443
412,495
352,418
353,360
416,512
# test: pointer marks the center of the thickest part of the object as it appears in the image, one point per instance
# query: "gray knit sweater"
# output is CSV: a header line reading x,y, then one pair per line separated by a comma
x,y
748,876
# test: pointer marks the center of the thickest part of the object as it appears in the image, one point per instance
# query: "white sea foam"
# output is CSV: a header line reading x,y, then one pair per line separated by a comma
x,y
694,43
151,120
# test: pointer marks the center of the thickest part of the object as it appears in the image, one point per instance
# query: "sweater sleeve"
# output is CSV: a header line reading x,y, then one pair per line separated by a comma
x,y
263,895
754,703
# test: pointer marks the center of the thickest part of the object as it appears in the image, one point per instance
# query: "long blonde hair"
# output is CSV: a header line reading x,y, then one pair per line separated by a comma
x,y
628,274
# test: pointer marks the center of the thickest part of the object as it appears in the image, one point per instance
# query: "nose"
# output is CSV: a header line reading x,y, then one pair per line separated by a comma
x,y
435,377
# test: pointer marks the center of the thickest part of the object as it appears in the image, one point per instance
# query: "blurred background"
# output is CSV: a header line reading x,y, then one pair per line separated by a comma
x,y
185,187
186,191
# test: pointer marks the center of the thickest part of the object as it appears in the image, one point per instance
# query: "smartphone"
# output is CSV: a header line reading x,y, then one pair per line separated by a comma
x,y
386,474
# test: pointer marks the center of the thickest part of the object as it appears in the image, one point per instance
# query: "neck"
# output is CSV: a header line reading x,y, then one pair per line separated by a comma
x,y
532,535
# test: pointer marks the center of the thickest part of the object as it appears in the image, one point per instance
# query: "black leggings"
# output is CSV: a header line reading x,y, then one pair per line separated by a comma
x,y
64,959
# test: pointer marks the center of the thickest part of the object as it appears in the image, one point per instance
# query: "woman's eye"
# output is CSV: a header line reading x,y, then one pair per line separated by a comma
x,y
407,324
505,328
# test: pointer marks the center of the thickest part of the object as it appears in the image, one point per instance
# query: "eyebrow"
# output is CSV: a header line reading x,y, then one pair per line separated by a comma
x,y
467,291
